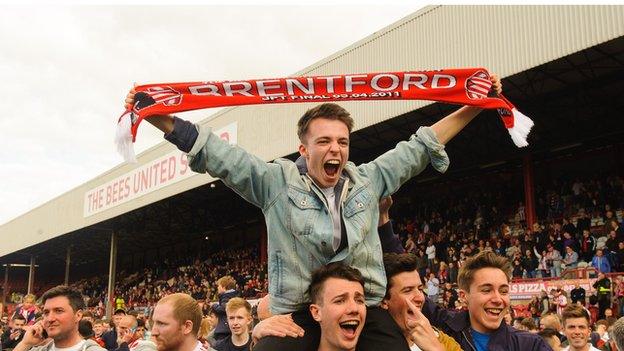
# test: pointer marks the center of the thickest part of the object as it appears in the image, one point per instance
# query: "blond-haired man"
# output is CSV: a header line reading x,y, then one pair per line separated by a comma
x,y
176,322
239,320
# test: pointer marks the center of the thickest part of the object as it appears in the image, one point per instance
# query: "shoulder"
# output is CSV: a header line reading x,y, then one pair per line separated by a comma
x,y
91,345
145,345
45,347
527,341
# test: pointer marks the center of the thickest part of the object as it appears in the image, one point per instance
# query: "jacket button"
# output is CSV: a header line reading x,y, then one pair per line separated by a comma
x,y
323,243
360,205
304,202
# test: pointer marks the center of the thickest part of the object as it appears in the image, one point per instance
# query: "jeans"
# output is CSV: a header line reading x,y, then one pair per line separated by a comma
x,y
555,271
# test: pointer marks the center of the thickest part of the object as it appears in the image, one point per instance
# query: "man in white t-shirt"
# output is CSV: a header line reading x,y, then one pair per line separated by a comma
x,y
431,252
576,328
433,287
129,336
560,300
58,331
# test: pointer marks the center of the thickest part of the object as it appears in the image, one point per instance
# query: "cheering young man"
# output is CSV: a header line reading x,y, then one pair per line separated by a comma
x,y
322,209
404,300
338,305
484,285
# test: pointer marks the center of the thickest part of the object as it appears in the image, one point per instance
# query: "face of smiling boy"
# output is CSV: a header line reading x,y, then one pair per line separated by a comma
x,y
488,299
341,314
326,150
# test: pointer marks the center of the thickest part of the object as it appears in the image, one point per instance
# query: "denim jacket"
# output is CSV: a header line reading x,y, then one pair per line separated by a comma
x,y
299,224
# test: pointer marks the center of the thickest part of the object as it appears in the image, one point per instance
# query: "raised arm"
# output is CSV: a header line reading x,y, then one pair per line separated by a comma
x,y
162,122
409,158
390,242
449,126
251,177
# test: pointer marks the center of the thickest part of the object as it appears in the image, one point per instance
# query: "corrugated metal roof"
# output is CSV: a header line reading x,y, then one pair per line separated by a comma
x,y
504,39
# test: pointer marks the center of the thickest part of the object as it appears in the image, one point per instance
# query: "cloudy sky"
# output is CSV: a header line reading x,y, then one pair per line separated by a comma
x,y
65,70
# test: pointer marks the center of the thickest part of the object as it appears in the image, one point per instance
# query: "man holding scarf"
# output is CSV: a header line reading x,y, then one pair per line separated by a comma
x,y
322,208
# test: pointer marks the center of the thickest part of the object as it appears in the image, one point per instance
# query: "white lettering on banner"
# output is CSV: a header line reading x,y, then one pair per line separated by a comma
x,y
315,87
163,171
526,290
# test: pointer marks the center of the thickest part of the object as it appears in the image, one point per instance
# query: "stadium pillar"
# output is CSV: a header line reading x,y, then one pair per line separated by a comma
x,y
31,274
67,262
5,287
111,276
529,198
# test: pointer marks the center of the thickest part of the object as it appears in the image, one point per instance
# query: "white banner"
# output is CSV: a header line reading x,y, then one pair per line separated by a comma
x,y
163,171
526,290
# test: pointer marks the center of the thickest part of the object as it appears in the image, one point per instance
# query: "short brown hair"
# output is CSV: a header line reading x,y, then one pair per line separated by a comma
x,y
328,111
73,295
185,308
528,323
332,270
237,302
484,259
227,282
574,311
395,264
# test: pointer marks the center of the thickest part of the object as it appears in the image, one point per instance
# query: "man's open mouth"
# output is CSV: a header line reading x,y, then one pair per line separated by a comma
x,y
349,328
494,312
331,167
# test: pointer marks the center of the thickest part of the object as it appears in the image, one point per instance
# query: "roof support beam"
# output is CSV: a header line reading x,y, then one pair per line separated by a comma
x,y
31,274
112,266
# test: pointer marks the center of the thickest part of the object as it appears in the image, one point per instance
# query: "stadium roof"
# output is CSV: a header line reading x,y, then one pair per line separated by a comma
x,y
562,65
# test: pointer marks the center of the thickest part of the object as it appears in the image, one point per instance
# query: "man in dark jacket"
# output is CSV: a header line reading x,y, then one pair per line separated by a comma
x,y
587,246
603,289
226,287
484,284
12,336
110,337
578,294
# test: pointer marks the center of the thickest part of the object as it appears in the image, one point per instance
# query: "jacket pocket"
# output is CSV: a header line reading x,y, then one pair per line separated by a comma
x,y
303,211
284,278
357,210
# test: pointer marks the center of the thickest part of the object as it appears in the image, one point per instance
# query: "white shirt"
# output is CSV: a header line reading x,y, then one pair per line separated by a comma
x,y
562,302
432,286
591,348
199,347
431,252
77,347
330,195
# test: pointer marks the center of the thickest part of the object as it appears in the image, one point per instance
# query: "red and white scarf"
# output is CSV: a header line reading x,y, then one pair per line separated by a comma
x,y
464,86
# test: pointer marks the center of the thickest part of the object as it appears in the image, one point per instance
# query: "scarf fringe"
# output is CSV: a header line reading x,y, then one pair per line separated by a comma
x,y
123,138
521,128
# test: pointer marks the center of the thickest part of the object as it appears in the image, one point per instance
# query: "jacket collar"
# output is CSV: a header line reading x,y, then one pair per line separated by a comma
x,y
461,322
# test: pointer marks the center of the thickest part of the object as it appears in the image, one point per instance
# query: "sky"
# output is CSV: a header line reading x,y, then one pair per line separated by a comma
x,y
66,68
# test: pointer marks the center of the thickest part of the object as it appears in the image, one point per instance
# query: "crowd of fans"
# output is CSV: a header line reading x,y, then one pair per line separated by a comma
x,y
196,277
579,227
